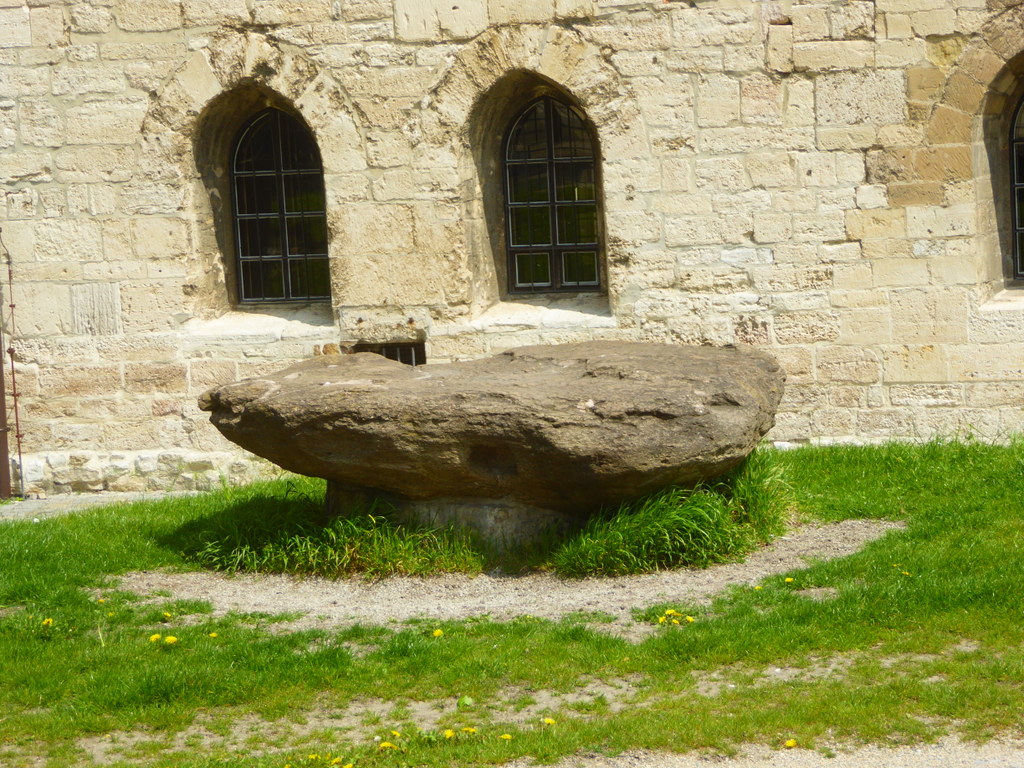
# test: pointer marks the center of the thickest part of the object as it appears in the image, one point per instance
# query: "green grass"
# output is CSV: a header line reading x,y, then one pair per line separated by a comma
x,y
924,633
683,527
670,529
290,536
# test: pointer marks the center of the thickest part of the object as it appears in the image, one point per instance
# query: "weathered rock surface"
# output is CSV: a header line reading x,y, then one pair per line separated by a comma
x,y
561,427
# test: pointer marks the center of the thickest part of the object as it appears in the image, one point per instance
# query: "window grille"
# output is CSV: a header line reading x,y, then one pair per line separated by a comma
x,y
280,219
1017,176
551,207
409,352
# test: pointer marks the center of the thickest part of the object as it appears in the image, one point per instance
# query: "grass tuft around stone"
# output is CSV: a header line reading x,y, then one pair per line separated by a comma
x,y
681,527
670,529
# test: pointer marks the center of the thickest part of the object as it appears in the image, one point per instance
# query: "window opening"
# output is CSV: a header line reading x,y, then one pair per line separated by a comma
x,y
279,212
409,352
551,201
1017,175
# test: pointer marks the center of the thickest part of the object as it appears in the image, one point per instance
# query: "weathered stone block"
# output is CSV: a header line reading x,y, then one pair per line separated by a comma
x,y
718,100
438,19
80,380
852,98
779,49
48,27
934,221
831,55
15,27
148,15
848,364
96,309
164,378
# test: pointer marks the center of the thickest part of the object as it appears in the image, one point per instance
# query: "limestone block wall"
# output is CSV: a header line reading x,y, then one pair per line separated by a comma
x,y
826,180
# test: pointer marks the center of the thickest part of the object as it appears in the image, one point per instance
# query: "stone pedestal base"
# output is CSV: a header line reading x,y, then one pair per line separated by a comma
x,y
500,524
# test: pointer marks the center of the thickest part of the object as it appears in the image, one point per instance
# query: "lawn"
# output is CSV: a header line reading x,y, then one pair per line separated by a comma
x,y
920,634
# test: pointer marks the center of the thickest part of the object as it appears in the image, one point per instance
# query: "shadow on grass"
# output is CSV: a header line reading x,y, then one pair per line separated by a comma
x,y
281,528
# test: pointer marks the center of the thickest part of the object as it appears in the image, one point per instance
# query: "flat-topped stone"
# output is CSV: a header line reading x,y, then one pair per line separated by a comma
x,y
566,428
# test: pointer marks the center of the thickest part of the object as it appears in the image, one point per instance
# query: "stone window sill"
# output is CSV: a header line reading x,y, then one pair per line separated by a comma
x,y
307,320
1010,299
552,312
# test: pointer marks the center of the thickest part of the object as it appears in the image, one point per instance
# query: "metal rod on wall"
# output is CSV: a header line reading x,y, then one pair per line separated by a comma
x,y
8,350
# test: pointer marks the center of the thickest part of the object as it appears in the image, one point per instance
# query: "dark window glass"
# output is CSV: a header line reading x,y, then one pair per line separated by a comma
x,y
551,200
279,211
528,183
529,136
579,268
532,270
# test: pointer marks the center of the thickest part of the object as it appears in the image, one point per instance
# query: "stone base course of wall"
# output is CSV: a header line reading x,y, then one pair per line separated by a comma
x,y
90,471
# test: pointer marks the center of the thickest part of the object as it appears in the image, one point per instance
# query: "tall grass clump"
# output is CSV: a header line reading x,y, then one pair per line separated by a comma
x,y
294,538
682,527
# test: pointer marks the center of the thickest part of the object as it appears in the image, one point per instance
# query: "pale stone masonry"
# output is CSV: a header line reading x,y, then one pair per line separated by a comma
x,y
829,181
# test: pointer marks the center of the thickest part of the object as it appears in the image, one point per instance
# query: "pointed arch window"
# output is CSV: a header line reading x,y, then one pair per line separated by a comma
x,y
553,228
1017,175
280,221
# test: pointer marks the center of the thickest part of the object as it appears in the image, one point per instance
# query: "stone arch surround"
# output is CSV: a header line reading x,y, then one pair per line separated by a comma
x,y
198,111
462,110
966,132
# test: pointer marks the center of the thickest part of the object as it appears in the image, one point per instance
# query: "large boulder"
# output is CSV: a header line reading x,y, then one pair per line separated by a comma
x,y
566,428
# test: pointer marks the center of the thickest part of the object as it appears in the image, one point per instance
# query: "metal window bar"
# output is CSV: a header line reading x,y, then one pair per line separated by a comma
x,y
301,237
569,212
409,352
1017,190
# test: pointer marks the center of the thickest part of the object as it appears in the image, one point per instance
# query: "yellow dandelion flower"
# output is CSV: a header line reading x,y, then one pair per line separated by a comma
x,y
213,634
690,619
313,757
507,736
675,621
170,639
110,613
101,599
789,579
47,622
154,638
549,721
396,734
661,619
905,573
449,734
671,612
166,615
438,633
386,745
790,743
758,587
336,761
469,729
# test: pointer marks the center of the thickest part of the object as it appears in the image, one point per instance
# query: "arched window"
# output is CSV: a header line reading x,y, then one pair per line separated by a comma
x,y
551,207
280,219
1017,176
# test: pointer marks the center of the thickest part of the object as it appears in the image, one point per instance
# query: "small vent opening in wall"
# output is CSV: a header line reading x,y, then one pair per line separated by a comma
x,y
408,352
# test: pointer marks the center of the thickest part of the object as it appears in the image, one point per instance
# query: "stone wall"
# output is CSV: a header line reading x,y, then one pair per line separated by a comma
x,y
827,180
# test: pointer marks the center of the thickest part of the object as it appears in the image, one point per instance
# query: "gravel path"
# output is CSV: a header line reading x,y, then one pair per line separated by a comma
x,y
945,753
329,604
